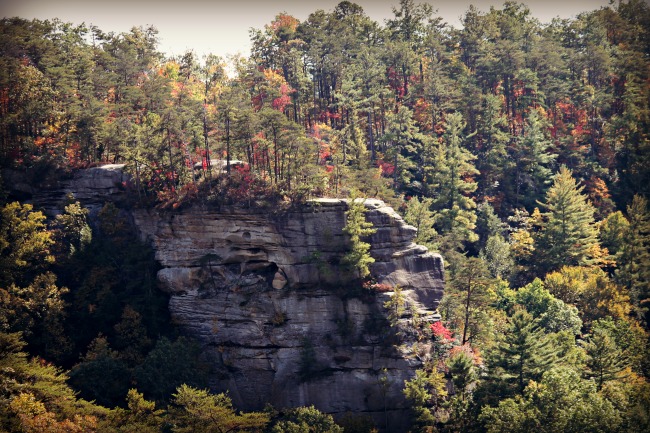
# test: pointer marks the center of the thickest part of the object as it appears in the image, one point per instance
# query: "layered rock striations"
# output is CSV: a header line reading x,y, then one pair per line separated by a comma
x,y
278,317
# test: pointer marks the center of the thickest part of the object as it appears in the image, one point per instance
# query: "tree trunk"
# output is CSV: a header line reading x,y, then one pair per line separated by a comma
x,y
467,302
228,144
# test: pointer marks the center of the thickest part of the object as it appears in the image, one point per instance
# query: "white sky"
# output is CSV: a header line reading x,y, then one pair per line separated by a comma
x,y
221,27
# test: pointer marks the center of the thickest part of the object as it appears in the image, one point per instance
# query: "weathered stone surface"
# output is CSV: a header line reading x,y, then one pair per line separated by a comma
x,y
266,298
93,187
304,245
279,280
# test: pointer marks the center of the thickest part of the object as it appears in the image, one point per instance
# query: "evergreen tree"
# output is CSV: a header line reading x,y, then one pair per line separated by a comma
x,y
523,353
533,161
356,227
344,92
488,224
74,226
168,365
604,360
470,281
131,337
634,257
31,301
561,402
493,137
425,391
140,415
404,142
568,235
492,245
25,244
449,171
305,419
101,376
199,411
26,383
407,32
439,90
418,214
462,371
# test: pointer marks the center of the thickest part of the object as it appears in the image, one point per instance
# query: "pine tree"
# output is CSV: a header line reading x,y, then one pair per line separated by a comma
x,y
462,371
449,170
423,391
139,415
532,161
604,358
523,353
561,402
356,227
488,224
74,226
493,136
395,306
634,257
199,411
568,235
470,281
404,143
101,376
305,419
418,214
25,244
43,384
168,365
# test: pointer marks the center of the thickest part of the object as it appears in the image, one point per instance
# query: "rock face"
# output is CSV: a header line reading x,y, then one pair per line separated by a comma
x,y
276,315
264,294
92,187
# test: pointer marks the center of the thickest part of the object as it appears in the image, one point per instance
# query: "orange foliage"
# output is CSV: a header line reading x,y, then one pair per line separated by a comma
x,y
285,22
599,195
422,114
73,154
469,351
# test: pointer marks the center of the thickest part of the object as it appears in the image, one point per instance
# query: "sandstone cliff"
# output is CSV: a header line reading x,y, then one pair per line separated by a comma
x,y
277,318
92,187
264,295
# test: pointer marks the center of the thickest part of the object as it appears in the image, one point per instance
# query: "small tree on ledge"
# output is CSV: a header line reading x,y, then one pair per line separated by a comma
x,y
357,227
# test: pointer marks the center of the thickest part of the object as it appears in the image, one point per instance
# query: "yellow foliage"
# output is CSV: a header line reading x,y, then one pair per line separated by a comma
x,y
536,218
273,78
522,244
438,383
591,290
172,69
600,256
34,418
567,284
